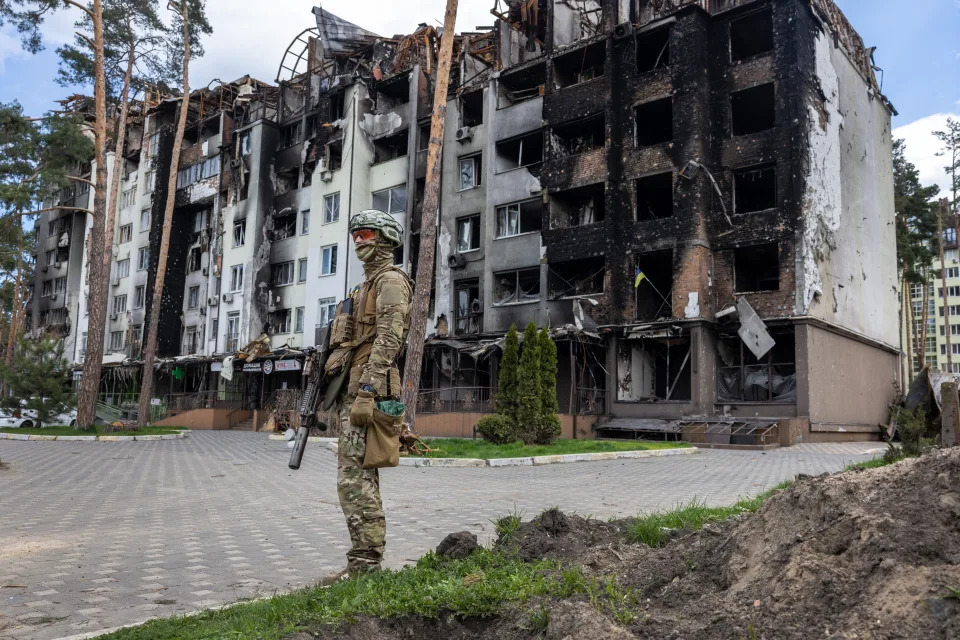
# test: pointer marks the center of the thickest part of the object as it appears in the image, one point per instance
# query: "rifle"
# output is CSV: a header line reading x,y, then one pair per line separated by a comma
x,y
313,366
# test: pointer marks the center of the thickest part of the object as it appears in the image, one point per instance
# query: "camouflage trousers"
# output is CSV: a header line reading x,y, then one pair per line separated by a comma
x,y
359,492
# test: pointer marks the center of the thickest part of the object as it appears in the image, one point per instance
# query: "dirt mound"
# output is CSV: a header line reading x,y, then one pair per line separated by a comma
x,y
864,554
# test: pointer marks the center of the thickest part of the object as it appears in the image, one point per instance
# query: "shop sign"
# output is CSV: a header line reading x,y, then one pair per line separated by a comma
x,y
287,365
216,366
268,367
251,366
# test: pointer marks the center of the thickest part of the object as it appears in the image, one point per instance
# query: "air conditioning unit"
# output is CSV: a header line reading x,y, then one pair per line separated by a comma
x,y
204,270
203,310
53,298
116,282
44,268
57,265
213,301
622,30
326,176
228,297
464,133
456,261
114,316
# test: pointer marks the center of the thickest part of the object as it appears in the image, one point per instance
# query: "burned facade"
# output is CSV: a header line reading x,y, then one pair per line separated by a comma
x,y
695,196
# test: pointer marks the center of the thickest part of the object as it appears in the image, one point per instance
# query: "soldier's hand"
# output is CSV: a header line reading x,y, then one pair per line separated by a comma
x,y
361,414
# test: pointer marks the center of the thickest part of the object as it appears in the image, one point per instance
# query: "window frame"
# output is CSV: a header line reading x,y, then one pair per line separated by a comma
x,y
193,297
477,160
330,219
519,204
473,218
328,266
236,285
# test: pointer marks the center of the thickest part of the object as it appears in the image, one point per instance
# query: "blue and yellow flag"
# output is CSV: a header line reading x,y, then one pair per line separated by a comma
x,y
640,276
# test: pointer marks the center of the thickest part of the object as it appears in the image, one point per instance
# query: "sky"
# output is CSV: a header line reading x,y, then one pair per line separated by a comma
x,y
918,48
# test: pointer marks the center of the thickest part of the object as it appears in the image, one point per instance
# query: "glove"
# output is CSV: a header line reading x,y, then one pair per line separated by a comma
x,y
361,413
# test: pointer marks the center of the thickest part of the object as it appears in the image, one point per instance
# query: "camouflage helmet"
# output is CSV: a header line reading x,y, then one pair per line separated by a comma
x,y
389,228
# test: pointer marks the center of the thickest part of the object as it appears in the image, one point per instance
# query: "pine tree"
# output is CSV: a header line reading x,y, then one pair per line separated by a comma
x,y
38,378
528,386
507,403
549,427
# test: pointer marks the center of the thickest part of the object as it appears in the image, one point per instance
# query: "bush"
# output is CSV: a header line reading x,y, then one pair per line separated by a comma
x,y
548,429
497,428
529,394
506,401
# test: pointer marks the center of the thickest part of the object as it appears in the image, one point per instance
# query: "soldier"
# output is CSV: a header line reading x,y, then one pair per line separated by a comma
x,y
367,335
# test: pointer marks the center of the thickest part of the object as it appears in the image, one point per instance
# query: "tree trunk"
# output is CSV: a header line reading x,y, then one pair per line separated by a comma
x,y
16,314
428,222
150,350
943,290
97,277
924,313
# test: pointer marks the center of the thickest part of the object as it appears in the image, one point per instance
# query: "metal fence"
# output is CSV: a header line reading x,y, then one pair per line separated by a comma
x,y
204,400
456,400
591,402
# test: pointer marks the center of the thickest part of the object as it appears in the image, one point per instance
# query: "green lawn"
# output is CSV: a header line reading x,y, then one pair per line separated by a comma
x,y
55,430
464,448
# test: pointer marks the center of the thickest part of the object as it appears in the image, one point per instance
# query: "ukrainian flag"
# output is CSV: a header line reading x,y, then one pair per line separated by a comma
x,y
640,276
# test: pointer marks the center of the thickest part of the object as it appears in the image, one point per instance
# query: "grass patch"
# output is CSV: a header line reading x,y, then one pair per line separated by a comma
x,y
868,464
97,431
654,529
465,448
479,585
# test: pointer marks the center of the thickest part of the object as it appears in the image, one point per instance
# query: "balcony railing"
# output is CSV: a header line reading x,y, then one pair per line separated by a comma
x,y
456,400
591,402
204,400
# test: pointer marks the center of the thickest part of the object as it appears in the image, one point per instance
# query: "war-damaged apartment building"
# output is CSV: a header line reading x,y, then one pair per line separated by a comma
x,y
695,196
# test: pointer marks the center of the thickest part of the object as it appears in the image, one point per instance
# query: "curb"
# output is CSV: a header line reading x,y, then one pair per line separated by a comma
x,y
331,444
24,436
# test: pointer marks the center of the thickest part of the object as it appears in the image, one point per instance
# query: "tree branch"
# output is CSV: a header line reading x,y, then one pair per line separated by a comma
x,y
85,38
81,180
33,213
81,7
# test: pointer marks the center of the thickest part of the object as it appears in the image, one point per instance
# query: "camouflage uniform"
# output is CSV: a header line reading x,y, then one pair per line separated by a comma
x,y
374,364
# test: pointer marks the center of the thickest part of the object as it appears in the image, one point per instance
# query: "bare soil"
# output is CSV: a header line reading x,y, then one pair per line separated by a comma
x,y
861,554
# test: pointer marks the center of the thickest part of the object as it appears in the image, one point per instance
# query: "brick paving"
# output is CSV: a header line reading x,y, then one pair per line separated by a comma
x,y
97,535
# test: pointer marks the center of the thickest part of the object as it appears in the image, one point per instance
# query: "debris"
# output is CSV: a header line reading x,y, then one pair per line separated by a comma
x,y
752,330
458,545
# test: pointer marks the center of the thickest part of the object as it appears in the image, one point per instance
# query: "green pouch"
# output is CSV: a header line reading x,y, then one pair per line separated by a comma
x,y
391,407
335,388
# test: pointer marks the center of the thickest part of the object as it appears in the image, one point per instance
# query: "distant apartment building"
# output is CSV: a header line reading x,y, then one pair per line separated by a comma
x,y
941,314
695,196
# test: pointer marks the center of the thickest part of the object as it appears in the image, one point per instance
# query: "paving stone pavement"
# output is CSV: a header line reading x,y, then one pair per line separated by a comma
x,y
96,535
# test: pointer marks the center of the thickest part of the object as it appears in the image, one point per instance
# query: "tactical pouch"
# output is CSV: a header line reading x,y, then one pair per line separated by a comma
x,y
383,439
393,383
341,330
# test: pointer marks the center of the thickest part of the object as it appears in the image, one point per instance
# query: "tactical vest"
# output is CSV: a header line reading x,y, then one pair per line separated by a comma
x,y
353,332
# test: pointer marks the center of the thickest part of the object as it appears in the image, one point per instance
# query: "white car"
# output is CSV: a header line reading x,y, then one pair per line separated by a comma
x,y
27,418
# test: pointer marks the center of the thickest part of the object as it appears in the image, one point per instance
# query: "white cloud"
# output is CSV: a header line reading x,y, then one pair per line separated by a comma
x,y
922,147
250,36
9,47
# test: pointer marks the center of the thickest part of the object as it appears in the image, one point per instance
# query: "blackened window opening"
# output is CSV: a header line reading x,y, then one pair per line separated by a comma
x,y
757,268
571,138
577,207
575,277
334,155
653,50
390,147
579,66
522,151
520,86
660,369
754,189
743,377
653,285
287,180
469,307
392,93
751,35
471,109
753,110
522,285
285,225
654,122
655,196
423,137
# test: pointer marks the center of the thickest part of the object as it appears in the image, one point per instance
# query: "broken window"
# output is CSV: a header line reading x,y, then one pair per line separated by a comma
x,y
512,287
393,200
328,260
245,143
193,297
577,207
519,217
753,109
143,258
281,273
751,35
520,86
579,66
336,105
742,377
522,151
287,180
575,278
653,50
469,307
281,321
333,156
756,268
468,233
190,341
423,137
293,134
471,109
194,173
754,189
239,233
194,259
200,220
390,147
653,285
285,225
655,196
658,368
392,93
126,234
575,137
470,171
654,122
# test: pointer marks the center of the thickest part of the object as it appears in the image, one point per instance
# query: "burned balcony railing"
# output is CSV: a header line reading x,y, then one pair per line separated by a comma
x,y
590,402
456,400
